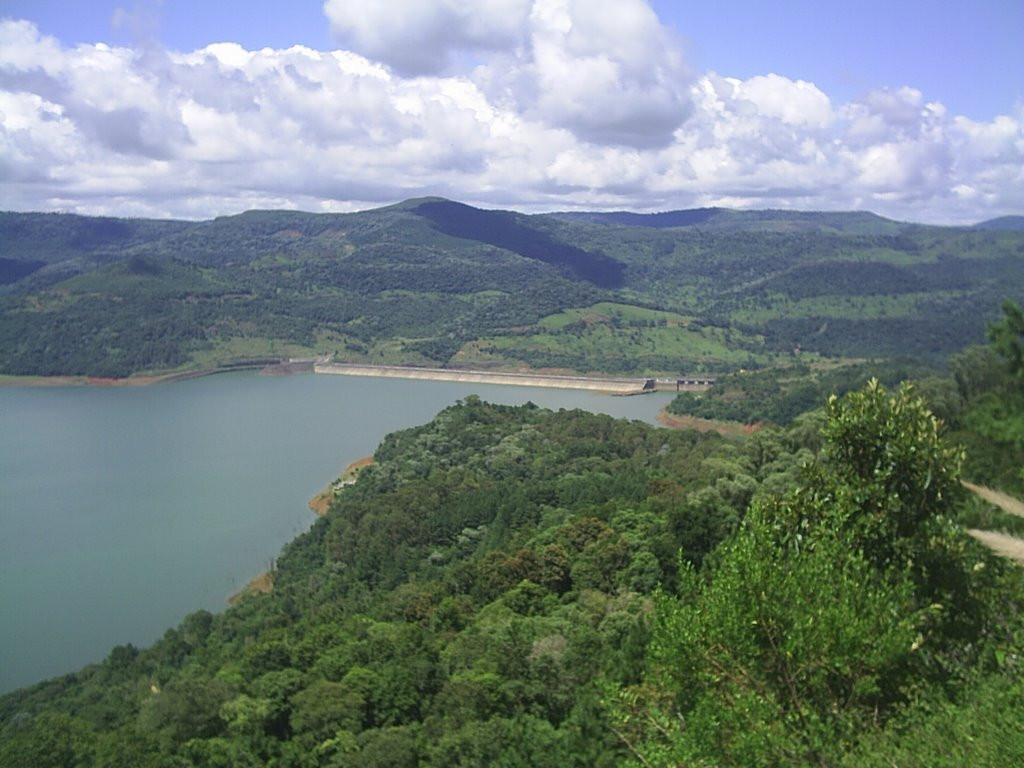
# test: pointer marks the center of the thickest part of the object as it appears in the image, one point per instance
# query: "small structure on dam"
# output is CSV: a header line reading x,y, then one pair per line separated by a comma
x,y
694,383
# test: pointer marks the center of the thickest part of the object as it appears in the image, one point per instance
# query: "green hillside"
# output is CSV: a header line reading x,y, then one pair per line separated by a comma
x,y
434,282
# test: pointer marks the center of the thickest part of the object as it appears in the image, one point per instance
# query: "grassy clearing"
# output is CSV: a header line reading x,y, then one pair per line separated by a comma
x,y
600,343
619,315
248,348
482,298
648,339
887,256
847,307
480,355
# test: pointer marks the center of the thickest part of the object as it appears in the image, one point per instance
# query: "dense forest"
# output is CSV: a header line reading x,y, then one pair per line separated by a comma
x,y
434,282
511,586
975,403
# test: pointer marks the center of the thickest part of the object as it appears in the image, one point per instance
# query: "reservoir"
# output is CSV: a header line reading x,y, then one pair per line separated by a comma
x,y
122,510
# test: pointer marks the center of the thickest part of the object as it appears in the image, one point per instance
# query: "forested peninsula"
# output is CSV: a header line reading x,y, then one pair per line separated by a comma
x,y
514,586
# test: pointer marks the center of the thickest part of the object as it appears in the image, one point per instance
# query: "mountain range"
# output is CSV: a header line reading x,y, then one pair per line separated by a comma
x,y
435,282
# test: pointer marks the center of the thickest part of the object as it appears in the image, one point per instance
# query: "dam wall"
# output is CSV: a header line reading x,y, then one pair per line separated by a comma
x,y
617,386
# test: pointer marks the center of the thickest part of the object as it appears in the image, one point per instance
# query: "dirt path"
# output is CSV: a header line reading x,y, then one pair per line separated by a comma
x,y
706,425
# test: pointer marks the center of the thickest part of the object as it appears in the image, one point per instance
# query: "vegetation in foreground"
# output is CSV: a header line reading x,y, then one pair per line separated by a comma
x,y
511,586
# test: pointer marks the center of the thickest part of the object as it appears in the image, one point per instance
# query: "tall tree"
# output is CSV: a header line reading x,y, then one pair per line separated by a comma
x,y
1008,338
823,610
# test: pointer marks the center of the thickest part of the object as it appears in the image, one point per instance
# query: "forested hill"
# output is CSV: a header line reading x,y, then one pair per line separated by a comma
x,y
1003,222
726,220
435,282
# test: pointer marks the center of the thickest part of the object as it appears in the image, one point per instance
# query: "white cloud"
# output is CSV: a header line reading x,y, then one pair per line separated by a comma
x,y
549,104
421,38
793,102
604,69
607,71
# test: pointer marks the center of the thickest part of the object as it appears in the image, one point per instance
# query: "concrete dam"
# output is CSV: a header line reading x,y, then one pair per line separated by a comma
x,y
613,385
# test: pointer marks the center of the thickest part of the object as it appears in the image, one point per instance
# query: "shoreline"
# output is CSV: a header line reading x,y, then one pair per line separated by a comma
x,y
619,386
263,583
260,585
322,501
96,381
267,368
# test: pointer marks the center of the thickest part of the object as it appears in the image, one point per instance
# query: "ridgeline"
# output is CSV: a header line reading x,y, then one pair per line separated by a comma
x,y
436,283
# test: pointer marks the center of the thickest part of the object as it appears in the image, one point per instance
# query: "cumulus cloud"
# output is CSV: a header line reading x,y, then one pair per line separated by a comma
x,y
421,38
542,104
606,70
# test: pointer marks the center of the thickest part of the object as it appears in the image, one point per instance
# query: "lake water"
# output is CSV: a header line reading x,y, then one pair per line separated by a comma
x,y
124,509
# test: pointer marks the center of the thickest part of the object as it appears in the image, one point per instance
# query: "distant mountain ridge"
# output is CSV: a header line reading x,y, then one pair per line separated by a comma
x,y
430,281
725,219
505,230
1014,223
30,234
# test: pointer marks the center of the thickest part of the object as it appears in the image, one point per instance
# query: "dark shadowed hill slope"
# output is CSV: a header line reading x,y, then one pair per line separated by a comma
x,y
512,232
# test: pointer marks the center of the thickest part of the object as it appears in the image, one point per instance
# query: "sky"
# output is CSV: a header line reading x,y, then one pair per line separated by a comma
x,y
911,109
